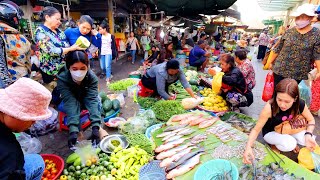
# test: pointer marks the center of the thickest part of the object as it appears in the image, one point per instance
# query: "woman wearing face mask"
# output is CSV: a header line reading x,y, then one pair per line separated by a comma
x,y
285,106
52,44
78,87
85,28
297,49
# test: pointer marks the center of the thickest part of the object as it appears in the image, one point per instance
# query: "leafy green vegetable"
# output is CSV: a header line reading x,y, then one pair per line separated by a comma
x,y
146,102
165,109
121,85
140,140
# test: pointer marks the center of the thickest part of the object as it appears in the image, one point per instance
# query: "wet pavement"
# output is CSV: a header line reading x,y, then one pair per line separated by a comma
x,y
56,143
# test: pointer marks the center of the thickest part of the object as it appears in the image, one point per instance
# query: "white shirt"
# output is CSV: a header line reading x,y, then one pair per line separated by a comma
x,y
133,42
106,44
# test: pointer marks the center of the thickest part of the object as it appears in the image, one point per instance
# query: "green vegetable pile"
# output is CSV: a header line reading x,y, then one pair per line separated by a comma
x,y
127,162
121,85
181,93
141,141
146,102
96,167
165,109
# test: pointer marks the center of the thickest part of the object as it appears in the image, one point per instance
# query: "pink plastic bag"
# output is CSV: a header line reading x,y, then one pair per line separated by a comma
x,y
268,87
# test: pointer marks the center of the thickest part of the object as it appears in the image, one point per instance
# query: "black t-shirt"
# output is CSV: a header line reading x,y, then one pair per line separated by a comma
x,y
11,156
153,56
276,120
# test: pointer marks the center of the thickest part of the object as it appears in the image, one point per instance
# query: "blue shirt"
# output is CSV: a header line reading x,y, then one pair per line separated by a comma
x,y
195,54
74,33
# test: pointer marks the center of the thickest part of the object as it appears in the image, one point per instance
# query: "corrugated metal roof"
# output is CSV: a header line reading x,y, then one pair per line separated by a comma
x,y
277,5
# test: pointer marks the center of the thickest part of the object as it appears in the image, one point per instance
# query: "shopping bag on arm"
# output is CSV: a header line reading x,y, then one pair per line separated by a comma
x,y
268,87
217,82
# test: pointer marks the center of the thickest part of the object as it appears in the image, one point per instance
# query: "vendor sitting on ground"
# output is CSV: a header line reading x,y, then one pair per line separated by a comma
x,y
152,57
246,68
285,106
21,104
198,57
159,77
78,87
234,87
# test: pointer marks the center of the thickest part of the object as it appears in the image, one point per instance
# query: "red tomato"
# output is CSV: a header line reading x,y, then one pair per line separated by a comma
x,y
48,175
54,171
45,173
52,176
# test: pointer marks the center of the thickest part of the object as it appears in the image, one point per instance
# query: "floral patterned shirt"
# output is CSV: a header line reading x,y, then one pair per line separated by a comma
x,y
264,39
50,45
296,53
249,74
17,50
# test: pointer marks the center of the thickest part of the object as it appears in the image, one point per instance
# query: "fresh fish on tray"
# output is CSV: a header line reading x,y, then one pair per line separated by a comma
x,y
206,124
185,167
178,118
163,134
198,138
173,138
169,136
184,159
186,132
197,121
171,152
169,145
171,128
178,155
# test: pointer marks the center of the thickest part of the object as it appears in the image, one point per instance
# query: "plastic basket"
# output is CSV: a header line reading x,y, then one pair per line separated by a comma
x,y
55,159
106,119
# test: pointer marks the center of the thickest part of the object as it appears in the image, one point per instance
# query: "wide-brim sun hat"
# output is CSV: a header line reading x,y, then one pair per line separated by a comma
x,y
307,9
242,43
26,100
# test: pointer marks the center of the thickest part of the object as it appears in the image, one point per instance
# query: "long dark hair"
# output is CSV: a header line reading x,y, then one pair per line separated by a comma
x,y
76,56
86,18
290,87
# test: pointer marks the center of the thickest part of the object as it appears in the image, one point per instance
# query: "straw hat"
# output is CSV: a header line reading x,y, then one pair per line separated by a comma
x,y
26,100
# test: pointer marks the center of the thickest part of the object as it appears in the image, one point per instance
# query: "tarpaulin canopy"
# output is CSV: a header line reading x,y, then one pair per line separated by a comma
x,y
191,7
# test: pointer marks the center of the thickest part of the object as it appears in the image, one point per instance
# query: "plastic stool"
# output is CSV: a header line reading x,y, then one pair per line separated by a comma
x,y
84,125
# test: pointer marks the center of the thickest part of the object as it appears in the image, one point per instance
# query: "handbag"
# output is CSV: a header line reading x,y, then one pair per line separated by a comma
x,y
267,54
268,87
128,48
292,126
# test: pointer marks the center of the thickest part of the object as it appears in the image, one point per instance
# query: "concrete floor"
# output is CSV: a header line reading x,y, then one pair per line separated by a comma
x,y
56,143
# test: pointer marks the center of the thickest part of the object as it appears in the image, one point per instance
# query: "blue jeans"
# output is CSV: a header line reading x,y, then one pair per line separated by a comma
x,y
33,166
105,64
133,54
1,84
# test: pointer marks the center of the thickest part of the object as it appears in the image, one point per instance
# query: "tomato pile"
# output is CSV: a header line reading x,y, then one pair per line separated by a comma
x,y
50,171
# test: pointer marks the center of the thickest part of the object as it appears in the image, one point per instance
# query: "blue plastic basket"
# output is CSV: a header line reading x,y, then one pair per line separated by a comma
x,y
106,119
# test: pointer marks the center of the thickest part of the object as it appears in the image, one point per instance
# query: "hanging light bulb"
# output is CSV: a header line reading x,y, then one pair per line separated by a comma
x,y
161,34
150,28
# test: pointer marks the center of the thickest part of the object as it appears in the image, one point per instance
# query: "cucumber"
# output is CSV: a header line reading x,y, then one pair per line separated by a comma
x,y
115,104
109,113
107,105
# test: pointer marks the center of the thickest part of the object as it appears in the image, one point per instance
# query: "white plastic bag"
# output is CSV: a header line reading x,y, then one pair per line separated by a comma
x,y
120,97
190,103
29,145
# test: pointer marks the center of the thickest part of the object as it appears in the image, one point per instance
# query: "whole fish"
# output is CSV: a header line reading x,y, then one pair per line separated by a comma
x,y
186,132
167,161
169,145
173,138
169,136
171,152
163,134
184,159
178,118
171,128
198,138
178,130
206,124
185,167
197,121
189,119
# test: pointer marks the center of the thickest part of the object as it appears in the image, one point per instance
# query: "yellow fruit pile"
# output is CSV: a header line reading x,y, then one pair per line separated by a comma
x,y
212,101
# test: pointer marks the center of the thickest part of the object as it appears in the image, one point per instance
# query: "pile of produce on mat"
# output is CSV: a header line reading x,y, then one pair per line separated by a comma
x,y
146,102
121,84
180,92
109,107
94,168
164,110
212,101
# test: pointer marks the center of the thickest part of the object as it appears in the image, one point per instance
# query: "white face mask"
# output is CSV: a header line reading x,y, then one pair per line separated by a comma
x,y
302,23
78,75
